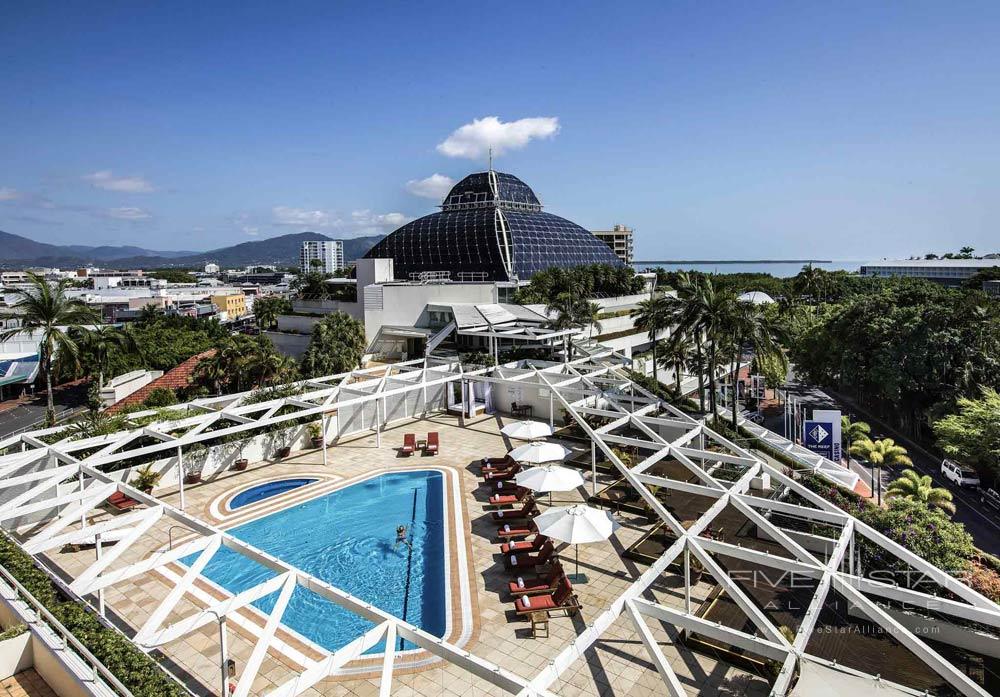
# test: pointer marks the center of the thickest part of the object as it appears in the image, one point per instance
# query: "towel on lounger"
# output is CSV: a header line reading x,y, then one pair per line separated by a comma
x,y
513,560
499,514
506,527
520,582
526,600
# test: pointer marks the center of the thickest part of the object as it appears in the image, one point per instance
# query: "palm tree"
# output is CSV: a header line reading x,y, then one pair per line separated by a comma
x,y
103,342
653,316
920,488
46,310
709,313
811,281
589,314
881,453
564,314
756,328
679,354
851,431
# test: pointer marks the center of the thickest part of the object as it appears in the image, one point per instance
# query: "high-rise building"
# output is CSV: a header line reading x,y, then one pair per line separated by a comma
x,y
619,239
329,254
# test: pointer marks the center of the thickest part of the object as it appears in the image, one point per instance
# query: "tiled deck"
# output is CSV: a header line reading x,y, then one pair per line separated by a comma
x,y
27,683
616,665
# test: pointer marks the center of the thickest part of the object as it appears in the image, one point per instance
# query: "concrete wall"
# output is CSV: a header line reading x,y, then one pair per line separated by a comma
x,y
405,304
293,345
326,307
297,324
122,386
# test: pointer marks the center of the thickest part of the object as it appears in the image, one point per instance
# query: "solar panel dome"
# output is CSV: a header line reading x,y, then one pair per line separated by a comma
x,y
491,226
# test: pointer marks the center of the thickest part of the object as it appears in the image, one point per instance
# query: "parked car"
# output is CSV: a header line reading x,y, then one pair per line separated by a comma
x,y
959,474
990,498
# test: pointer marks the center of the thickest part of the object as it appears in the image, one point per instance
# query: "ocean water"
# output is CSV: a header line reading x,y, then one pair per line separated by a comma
x,y
781,269
347,538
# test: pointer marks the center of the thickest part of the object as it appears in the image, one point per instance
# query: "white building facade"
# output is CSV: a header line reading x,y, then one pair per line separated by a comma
x,y
330,254
619,239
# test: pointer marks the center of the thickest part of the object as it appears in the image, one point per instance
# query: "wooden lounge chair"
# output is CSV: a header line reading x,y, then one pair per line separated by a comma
x,y
530,561
432,443
503,476
538,584
121,502
562,599
508,496
527,510
516,530
409,444
524,547
496,464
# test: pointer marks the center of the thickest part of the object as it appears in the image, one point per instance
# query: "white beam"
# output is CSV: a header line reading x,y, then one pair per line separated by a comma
x,y
670,681
253,664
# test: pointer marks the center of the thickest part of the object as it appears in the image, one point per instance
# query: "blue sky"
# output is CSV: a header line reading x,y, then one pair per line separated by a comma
x,y
718,130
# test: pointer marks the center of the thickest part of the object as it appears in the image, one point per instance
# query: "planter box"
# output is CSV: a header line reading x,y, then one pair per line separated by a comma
x,y
192,478
15,655
282,453
241,464
317,442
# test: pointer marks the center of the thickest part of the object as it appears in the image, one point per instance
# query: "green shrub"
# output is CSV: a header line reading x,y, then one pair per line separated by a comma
x,y
11,632
139,673
159,397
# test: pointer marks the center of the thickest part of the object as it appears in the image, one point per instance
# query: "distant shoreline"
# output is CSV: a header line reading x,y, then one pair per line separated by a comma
x,y
735,261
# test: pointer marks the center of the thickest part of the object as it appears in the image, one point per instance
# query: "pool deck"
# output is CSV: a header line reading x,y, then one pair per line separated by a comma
x,y
616,665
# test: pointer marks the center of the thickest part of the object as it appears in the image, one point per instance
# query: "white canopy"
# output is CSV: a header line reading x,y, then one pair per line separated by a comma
x,y
549,478
527,430
537,453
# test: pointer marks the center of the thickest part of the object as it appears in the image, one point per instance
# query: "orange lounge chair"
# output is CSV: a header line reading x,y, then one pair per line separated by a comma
x,y
409,444
516,530
530,561
539,584
524,547
122,502
432,443
563,599
504,476
508,496
496,464
527,510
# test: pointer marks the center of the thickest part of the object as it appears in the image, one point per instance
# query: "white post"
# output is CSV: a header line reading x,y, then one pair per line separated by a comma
x,y
378,426
850,554
687,579
180,474
83,516
223,657
552,423
100,592
322,426
593,468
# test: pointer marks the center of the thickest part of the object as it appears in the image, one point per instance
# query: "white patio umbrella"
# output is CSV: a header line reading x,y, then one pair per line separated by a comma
x,y
527,430
549,478
538,452
576,525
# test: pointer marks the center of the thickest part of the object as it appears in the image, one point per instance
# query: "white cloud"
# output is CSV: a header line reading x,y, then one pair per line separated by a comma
x,y
367,219
128,213
435,186
252,231
473,140
301,217
106,180
8,194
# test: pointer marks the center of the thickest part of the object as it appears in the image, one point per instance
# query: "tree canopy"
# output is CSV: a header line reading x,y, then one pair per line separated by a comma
x,y
588,281
972,434
336,346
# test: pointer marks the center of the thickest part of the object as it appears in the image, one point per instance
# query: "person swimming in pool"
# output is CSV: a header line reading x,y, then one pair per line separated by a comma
x,y
401,536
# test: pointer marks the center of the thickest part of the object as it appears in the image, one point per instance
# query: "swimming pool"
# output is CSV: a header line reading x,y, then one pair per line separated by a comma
x,y
348,539
266,491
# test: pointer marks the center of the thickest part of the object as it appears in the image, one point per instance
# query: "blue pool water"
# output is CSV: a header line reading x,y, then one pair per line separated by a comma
x,y
347,538
266,491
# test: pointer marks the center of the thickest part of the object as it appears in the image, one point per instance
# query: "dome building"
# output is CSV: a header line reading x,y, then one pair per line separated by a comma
x,y
491,227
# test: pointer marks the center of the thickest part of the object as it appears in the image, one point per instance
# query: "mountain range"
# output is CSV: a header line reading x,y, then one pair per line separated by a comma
x,y
17,252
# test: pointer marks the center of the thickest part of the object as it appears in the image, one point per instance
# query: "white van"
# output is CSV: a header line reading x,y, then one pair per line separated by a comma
x,y
959,474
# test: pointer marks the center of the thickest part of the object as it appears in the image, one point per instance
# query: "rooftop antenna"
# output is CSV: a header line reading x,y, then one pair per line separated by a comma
x,y
491,158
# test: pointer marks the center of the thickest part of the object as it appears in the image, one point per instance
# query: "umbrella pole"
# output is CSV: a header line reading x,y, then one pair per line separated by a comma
x,y
578,577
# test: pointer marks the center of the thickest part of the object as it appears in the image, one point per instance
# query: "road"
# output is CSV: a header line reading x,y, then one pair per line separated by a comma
x,y
981,523
21,416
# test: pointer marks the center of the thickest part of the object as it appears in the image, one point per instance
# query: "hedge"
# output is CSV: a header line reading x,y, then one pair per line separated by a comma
x,y
136,671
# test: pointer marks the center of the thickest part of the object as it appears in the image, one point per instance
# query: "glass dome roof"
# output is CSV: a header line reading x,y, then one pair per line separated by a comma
x,y
491,227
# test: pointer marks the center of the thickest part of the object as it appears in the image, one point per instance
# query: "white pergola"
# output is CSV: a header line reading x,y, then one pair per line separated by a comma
x,y
592,386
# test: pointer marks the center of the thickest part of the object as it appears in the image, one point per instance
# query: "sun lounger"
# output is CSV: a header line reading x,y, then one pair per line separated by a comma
x,y
516,530
562,599
528,510
432,443
538,584
503,476
524,547
508,496
409,444
121,502
496,464
530,561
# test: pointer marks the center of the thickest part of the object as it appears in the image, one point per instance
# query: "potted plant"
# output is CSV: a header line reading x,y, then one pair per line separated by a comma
x,y
240,463
283,449
194,463
315,434
146,478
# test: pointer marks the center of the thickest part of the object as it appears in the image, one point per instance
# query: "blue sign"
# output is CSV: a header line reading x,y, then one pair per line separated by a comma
x,y
819,437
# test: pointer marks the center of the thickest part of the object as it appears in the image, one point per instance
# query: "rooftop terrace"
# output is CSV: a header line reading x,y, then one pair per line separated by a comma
x,y
725,577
